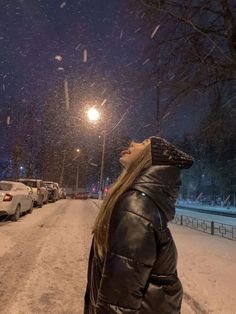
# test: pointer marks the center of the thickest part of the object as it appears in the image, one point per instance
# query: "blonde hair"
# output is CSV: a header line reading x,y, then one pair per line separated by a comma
x,y
125,180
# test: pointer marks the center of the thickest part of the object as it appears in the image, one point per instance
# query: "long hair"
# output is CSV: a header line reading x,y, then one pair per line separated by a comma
x,y
124,181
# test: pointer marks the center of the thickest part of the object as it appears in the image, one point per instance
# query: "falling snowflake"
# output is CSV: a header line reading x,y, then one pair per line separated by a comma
x,y
166,115
77,47
103,103
121,34
58,58
8,120
137,30
146,61
3,83
85,55
155,30
63,5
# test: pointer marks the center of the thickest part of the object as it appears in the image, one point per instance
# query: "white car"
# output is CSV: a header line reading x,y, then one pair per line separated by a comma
x,y
53,190
40,193
15,199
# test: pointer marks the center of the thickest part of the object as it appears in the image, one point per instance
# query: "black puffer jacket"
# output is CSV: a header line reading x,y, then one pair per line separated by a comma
x,y
139,272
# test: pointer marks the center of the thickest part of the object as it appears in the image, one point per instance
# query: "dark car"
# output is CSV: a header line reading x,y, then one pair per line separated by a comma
x,y
81,196
63,193
94,195
53,190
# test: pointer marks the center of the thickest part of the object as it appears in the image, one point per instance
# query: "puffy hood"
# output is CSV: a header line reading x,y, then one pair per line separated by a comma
x,y
161,184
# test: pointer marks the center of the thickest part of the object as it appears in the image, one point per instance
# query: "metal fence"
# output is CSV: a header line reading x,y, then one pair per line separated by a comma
x,y
210,227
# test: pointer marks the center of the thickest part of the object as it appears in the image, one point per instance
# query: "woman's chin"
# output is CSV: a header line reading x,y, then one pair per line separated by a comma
x,y
122,162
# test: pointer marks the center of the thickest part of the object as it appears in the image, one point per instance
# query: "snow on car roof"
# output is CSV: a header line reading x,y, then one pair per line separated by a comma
x,y
25,179
13,183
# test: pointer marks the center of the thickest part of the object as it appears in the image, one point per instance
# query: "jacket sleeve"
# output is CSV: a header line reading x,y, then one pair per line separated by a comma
x,y
87,291
128,263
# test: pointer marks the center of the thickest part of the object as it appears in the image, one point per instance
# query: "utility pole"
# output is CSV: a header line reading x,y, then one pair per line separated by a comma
x,y
66,91
102,165
77,178
59,58
62,168
77,172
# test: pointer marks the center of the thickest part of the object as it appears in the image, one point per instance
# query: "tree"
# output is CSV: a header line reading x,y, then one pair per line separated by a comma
x,y
17,158
193,51
193,55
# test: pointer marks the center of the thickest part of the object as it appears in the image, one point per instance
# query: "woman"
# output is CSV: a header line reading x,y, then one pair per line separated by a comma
x,y
132,263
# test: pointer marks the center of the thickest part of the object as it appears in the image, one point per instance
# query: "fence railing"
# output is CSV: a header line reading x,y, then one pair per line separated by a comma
x,y
210,227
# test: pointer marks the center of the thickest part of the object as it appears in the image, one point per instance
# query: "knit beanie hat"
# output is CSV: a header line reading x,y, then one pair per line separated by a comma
x,y
164,153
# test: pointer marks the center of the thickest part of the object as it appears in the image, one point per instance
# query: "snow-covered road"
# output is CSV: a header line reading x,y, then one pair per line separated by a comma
x,y
44,255
43,259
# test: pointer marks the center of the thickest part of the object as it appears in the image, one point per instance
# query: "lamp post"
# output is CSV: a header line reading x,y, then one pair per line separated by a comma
x,y
102,165
93,116
77,173
62,168
59,58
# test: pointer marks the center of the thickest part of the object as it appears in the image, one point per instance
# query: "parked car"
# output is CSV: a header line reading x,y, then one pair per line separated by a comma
x,y
40,193
53,190
81,196
62,193
94,195
15,199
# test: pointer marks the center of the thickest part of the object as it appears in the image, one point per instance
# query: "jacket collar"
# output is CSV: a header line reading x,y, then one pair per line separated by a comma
x,y
161,184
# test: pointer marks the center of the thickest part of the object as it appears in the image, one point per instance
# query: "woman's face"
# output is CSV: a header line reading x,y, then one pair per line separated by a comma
x,y
130,154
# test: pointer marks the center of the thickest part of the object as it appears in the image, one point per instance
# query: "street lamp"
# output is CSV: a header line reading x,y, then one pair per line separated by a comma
x,y
59,58
77,173
93,116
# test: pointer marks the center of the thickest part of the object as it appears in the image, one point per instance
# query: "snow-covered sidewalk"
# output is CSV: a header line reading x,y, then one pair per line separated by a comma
x,y
207,270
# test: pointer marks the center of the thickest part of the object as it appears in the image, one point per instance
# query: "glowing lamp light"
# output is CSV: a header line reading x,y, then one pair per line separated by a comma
x,y
58,58
93,114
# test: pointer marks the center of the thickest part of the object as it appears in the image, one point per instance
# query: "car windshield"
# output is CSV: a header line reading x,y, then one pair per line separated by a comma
x,y
32,184
48,185
5,186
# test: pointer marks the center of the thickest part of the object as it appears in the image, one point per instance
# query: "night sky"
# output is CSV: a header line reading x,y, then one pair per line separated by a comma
x,y
103,45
